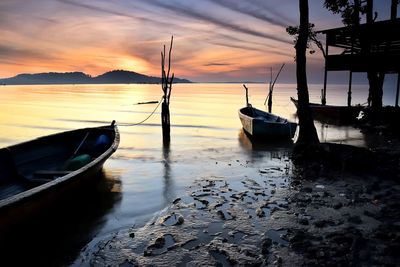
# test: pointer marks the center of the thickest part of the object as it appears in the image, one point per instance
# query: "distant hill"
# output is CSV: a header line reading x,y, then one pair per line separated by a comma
x,y
122,76
111,77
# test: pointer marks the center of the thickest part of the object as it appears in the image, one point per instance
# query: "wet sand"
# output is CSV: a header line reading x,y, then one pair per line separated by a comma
x,y
283,215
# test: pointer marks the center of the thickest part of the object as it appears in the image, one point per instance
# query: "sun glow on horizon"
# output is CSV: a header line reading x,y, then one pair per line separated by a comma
x,y
213,41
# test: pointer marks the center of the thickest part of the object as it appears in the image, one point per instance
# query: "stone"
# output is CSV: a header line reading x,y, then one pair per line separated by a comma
x,y
355,219
260,212
338,205
176,200
303,221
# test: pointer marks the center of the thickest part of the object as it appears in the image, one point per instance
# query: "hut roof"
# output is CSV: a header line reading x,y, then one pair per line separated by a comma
x,y
374,46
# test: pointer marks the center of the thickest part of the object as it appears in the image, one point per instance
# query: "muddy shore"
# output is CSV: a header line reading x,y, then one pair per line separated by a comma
x,y
287,215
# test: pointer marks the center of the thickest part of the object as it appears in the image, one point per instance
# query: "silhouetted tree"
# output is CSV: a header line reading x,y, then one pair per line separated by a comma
x,y
307,132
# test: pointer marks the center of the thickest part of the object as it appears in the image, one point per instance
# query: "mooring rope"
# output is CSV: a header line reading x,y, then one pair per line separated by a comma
x,y
148,117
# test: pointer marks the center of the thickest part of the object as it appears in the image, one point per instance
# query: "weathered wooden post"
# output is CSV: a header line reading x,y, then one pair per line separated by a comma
x,y
247,95
166,85
349,92
271,89
397,90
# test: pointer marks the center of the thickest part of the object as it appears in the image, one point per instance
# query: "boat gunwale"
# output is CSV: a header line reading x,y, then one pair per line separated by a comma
x,y
285,121
316,105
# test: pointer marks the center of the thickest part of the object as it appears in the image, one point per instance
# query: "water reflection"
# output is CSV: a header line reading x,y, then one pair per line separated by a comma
x,y
257,149
168,190
340,134
55,236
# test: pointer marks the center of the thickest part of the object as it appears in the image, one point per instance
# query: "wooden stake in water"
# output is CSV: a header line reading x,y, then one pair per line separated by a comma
x,y
247,95
271,89
166,85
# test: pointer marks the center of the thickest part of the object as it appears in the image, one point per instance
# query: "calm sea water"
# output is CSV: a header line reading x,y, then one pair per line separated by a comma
x,y
206,141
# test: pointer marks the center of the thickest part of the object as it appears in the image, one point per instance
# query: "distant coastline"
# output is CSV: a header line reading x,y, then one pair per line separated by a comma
x,y
111,77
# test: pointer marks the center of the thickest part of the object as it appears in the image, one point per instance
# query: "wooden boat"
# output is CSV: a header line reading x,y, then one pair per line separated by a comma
x,y
38,171
260,124
339,113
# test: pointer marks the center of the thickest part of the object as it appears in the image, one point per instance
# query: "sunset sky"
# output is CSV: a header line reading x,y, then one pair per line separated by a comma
x,y
214,40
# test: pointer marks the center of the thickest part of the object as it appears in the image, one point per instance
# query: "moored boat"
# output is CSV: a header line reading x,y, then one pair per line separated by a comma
x,y
261,124
38,171
340,113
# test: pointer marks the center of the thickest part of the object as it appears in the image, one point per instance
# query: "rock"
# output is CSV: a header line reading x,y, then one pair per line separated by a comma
x,y
147,253
129,263
274,209
370,214
303,221
278,261
320,223
321,254
283,205
158,243
173,219
221,214
299,236
326,194
176,200
132,235
180,220
374,187
266,245
307,189
355,219
205,202
338,205
260,212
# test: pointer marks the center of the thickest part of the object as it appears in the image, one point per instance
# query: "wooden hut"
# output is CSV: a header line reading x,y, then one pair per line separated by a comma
x,y
364,47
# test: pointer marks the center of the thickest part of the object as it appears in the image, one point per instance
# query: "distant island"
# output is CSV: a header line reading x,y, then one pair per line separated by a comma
x,y
111,77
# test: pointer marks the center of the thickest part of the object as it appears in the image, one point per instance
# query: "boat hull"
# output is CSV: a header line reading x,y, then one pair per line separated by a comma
x,y
260,124
335,113
16,208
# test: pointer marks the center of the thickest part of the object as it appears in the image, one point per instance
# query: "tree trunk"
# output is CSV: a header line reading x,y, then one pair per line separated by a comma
x,y
307,132
375,78
393,9
356,12
166,85
165,122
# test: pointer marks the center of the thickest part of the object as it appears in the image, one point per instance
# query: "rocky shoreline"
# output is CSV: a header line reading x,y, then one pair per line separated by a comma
x,y
286,215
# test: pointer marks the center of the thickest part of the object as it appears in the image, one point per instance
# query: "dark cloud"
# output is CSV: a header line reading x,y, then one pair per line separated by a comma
x,y
96,8
218,21
12,62
237,46
14,54
217,64
248,48
46,20
248,8
271,6
118,13
241,41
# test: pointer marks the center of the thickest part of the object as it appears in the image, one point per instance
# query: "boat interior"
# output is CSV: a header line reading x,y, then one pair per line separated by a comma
x,y
32,163
261,115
